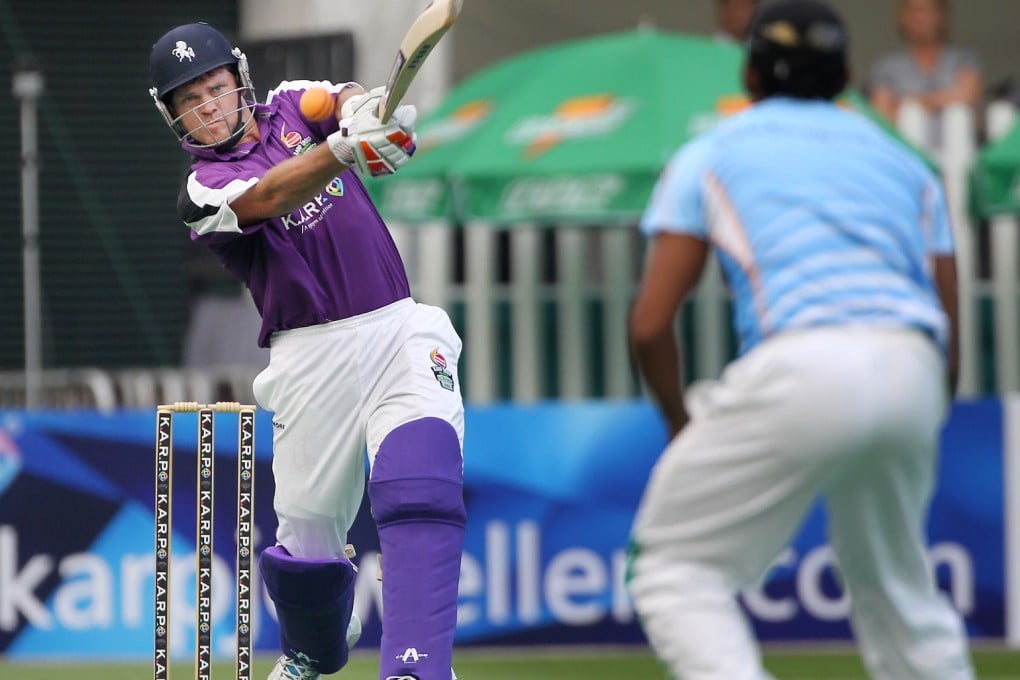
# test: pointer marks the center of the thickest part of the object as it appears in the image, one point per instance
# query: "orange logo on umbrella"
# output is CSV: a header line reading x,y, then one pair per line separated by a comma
x,y
577,117
732,103
456,125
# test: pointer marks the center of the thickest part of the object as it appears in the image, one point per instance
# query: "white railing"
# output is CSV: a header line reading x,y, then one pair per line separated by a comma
x,y
531,335
1004,287
542,308
995,283
107,390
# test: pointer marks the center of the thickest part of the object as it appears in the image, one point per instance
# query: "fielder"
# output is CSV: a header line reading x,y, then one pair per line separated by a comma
x,y
836,244
354,360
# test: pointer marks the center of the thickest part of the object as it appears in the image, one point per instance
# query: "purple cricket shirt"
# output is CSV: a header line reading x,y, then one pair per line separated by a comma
x,y
331,259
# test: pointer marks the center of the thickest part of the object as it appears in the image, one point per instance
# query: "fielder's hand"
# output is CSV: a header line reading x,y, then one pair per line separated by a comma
x,y
364,143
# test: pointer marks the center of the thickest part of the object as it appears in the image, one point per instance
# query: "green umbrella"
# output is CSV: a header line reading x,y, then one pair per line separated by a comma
x,y
421,190
994,189
575,131
578,131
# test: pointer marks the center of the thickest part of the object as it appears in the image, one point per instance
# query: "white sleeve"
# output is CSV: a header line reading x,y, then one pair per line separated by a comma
x,y
677,204
210,210
301,85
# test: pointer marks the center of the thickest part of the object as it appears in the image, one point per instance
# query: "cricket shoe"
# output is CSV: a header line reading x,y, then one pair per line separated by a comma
x,y
294,668
354,632
300,667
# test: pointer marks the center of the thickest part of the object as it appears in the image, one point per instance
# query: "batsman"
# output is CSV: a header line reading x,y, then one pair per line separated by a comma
x,y
356,364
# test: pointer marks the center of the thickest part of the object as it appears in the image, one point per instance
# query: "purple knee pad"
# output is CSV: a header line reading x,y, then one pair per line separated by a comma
x,y
314,600
416,492
418,474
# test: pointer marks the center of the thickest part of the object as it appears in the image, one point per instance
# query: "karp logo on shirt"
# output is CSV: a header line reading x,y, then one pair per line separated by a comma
x,y
309,215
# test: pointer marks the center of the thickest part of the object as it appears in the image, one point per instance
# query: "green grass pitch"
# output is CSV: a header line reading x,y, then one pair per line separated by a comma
x,y
529,664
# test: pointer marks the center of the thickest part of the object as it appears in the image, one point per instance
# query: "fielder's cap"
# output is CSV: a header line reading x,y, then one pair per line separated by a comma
x,y
798,26
799,47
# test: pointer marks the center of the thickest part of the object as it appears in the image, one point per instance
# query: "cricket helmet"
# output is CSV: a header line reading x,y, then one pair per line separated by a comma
x,y
185,53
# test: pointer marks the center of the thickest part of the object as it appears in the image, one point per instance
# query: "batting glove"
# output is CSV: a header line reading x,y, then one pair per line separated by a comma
x,y
374,149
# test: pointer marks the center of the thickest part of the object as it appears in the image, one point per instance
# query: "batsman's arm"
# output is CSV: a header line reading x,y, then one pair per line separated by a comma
x,y
672,269
292,183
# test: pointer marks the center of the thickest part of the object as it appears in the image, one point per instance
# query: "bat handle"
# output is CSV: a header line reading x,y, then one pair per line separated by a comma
x,y
381,114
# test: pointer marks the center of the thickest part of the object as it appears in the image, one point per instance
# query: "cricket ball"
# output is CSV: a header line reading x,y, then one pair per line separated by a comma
x,y
317,104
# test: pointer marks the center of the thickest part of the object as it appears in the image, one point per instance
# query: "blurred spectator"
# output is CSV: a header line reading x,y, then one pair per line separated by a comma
x,y
928,69
732,18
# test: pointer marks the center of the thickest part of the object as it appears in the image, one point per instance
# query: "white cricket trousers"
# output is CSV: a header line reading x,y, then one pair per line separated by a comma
x,y
336,390
849,413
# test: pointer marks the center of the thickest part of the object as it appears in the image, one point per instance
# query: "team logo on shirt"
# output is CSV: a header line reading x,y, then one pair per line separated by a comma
x,y
291,139
295,140
335,187
443,376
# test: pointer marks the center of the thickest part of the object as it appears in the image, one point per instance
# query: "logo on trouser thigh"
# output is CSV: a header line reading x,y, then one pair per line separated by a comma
x,y
401,677
442,375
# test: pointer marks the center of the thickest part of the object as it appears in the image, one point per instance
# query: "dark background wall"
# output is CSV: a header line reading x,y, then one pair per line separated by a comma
x,y
114,256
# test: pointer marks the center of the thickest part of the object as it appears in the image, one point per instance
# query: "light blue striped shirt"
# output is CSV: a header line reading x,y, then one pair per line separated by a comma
x,y
818,216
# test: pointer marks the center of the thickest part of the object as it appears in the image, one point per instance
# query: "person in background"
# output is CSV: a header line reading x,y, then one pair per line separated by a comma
x,y
732,18
355,363
928,69
835,241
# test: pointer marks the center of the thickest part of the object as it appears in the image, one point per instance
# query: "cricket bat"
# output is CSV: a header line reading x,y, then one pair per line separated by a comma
x,y
421,37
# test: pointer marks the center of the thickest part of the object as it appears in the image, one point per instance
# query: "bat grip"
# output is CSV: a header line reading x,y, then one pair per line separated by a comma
x,y
381,113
